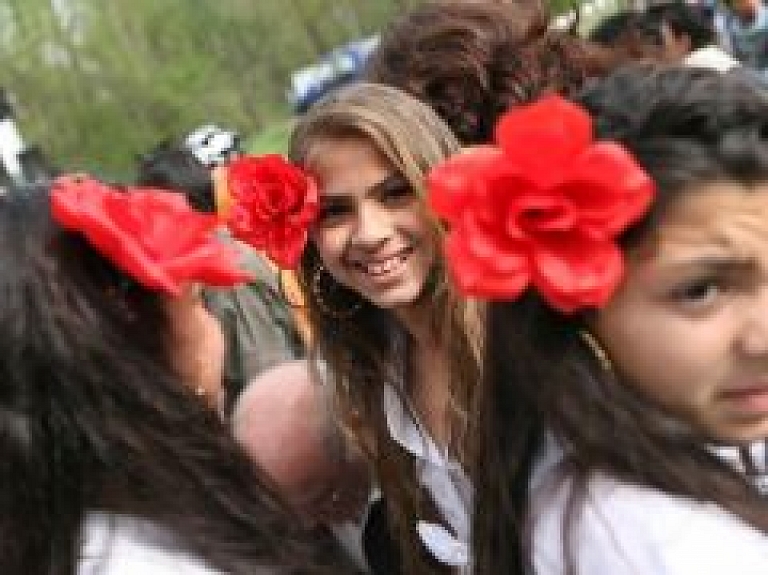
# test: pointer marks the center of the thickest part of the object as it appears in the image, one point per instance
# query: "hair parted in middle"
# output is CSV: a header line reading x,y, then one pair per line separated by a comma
x,y
362,353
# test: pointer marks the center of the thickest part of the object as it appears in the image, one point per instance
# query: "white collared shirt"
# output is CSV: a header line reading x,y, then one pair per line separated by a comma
x,y
623,529
125,545
445,481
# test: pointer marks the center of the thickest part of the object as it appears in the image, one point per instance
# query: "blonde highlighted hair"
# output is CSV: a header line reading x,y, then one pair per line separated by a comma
x,y
361,352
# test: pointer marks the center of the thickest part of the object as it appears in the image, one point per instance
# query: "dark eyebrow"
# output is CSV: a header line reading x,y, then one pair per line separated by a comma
x,y
388,183
718,264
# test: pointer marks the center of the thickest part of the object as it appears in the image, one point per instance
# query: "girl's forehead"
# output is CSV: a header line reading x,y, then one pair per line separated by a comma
x,y
726,218
323,149
329,155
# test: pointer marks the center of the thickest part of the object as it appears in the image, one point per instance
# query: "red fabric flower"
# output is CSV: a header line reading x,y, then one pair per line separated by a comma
x,y
152,235
274,203
542,209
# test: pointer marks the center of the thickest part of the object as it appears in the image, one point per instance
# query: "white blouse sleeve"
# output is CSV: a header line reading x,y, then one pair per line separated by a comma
x,y
623,529
120,545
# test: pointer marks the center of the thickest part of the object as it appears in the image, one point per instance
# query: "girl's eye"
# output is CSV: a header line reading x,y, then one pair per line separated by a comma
x,y
700,292
333,210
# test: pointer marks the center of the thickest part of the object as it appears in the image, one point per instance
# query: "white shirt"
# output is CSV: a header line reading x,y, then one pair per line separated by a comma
x,y
123,545
624,529
445,481
711,57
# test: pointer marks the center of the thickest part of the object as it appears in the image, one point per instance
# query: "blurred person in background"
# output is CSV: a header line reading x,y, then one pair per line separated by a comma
x,y
742,27
286,422
471,61
260,328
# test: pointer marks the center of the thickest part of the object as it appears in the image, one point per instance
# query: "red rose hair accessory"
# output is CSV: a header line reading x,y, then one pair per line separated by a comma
x,y
154,236
543,208
273,205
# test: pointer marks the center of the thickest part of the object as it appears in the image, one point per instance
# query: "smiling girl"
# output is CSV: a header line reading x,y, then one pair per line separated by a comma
x,y
402,349
626,414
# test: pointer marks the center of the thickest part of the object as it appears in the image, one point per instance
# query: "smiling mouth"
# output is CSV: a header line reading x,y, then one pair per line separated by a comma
x,y
383,267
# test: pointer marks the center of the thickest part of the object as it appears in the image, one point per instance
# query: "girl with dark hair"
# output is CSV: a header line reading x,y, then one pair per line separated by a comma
x,y
624,415
112,463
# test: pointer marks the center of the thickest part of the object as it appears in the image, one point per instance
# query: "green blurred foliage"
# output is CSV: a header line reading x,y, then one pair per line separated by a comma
x,y
95,82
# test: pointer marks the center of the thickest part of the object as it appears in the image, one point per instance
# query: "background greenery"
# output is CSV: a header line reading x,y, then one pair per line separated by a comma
x,y
96,82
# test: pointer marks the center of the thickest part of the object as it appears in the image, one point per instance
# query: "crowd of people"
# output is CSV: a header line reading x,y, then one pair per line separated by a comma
x,y
502,309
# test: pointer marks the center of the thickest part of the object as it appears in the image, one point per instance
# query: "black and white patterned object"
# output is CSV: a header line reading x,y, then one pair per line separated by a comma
x,y
212,145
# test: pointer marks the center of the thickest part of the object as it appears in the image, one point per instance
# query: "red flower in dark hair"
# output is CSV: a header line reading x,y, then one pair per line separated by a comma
x,y
542,209
154,236
273,205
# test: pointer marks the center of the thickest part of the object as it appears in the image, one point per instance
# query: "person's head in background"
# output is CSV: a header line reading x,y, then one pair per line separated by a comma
x,y
684,336
471,61
683,28
673,32
97,406
631,31
175,168
258,323
193,165
172,166
746,10
376,284
610,29
285,421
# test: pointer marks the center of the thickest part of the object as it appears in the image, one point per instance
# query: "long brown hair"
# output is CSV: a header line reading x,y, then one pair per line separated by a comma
x,y
364,352
471,61
685,127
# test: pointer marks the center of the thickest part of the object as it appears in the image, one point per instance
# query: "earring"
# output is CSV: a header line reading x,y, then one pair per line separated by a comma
x,y
290,289
321,299
597,350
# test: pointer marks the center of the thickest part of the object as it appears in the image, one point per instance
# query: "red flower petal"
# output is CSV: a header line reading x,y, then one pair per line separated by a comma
x,y
544,137
610,189
546,211
274,205
286,246
531,213
481,275
152,235
572,271
451,184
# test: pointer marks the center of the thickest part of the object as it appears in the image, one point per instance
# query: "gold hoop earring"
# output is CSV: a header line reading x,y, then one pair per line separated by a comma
x,y
322,302
597,350
290,289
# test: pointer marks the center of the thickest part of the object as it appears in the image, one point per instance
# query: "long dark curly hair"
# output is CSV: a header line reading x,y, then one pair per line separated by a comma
x,y
92,418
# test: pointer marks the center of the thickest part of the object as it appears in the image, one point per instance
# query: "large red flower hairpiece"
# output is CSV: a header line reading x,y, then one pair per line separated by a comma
x,y
273,205
154,236
542,208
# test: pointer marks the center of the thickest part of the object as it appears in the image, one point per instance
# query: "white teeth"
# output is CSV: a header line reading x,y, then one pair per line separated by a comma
x,y
380,268
383,267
